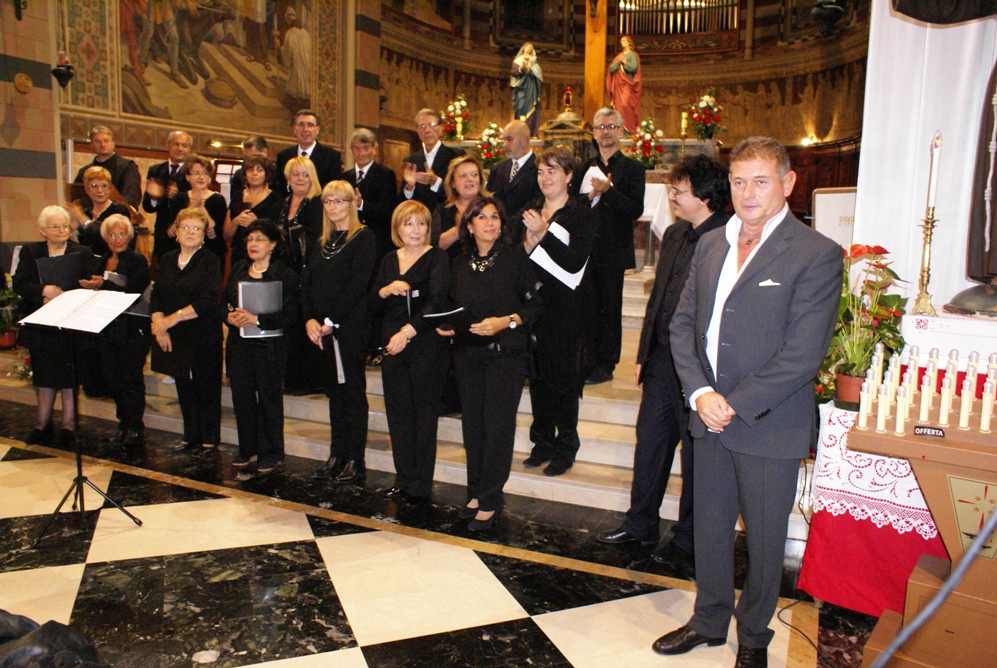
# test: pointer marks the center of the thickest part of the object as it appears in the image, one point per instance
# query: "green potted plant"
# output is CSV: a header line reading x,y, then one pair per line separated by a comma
x,y
9,313
867,315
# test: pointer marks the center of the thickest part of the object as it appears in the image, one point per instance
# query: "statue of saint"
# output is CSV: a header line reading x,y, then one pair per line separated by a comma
x,y
525,80
623,84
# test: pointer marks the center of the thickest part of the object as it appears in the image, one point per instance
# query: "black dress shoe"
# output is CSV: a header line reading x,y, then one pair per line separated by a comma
x,y
558,467
133,439
598,376
536,460
40,436
621,536
332,467
118,438
393,493
483,525
683,639
671,554
67,437
183,446
353,473
752,657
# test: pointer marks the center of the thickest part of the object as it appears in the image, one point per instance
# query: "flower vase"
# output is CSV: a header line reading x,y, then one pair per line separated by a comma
x,y
849,389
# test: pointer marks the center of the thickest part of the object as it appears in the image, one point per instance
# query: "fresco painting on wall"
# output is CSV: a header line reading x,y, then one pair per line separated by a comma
x,y
217,62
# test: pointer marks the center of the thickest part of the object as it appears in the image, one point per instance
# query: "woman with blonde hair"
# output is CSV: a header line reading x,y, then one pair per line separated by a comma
x,y
337,322
463,183
89,217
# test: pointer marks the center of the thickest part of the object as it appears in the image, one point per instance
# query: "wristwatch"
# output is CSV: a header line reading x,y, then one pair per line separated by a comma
x,y
512,322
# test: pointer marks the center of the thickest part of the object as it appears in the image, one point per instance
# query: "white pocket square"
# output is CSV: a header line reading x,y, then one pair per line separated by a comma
x,y
767,283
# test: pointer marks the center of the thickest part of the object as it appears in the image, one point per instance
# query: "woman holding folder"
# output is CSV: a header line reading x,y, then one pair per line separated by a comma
x,y
44,270
262,300
412,281
337,321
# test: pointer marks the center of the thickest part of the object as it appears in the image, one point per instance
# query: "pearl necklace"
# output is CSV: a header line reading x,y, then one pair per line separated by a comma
x,y
183,263
260,271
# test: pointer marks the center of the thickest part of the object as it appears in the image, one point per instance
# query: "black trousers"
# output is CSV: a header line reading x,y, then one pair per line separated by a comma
x,y
255,368
662,423
556,387
297,369
347,402
200,395
606,333
121,362
413,383
490,384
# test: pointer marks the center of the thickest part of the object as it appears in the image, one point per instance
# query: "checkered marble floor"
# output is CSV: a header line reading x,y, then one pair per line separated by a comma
x,y
212,578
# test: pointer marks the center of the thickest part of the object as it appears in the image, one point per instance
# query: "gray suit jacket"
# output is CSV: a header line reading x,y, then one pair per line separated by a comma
x,y
775,330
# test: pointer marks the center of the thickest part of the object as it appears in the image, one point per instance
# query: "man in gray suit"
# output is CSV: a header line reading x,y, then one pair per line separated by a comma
x,y
749,334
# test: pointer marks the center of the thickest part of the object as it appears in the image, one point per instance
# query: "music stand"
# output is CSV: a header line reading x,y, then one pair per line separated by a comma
x,y
80,311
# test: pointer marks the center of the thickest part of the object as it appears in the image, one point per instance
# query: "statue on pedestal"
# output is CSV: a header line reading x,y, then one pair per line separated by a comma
x,y
623,84
526,80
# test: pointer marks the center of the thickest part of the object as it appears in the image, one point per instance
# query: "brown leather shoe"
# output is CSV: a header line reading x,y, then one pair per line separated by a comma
x,y
683,639
752,657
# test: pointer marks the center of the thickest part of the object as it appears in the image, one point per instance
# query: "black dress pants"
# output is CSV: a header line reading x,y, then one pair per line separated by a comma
x,y
121,361
413,383
607,283
200,395
555,388
255,369
347,402
490,384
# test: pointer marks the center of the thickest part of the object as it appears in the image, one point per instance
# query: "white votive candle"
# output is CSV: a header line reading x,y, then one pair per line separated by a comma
x,y
914,356
891,389
908,382
865,405
986,410
965,406
926,396
992,362
945,404
971,377
877,370
901,411
883,409
931,375
974,358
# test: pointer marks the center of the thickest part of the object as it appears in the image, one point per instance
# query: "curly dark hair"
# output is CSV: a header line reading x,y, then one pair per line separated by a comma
x,y
473,209
271,231
708,177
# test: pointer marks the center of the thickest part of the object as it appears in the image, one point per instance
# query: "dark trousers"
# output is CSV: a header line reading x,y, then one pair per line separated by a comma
x,y
121,362
490,385
762,489
555,388
413,382
662,423
297,367
607,330
200,395
255,369
347,402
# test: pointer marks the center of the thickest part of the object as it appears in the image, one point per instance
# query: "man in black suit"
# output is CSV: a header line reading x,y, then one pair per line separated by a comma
x,y
700,193
514,180
748,337
124,172
162,182
376,186
425,170
255,145
619,201
327,160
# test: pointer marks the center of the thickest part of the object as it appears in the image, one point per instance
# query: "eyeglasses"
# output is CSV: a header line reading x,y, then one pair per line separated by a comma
x,y
335,200
423,126
612,127
57,226
118,235
191,228
677,191
199,173
98,186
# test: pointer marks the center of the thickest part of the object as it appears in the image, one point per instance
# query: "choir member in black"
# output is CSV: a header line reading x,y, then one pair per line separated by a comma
x,y
412,281
561,230
53,369
377,185
463,183
186,322
89,217
495,283
301,219
256,202
334,306
124,344
198,171
256,365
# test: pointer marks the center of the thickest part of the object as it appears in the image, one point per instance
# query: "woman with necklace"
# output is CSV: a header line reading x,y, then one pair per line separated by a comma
x,y
199,173
187,325
53,368
337,321
256,348
258,202
494,282
89,218
412,281
463,183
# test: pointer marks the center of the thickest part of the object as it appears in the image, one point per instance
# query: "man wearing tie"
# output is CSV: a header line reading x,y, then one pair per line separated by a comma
x,y
162,182
748,337
328,163
425,170
514,180
376,185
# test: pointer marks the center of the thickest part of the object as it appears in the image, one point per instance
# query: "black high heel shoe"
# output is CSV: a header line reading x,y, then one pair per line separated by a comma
x,y
40,436
353,473
484,525
332,467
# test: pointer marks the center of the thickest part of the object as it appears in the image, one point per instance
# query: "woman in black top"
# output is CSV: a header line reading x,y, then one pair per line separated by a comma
x,y
124,344
495,283
337,321
258,202
89,218
199,172
463,183
187,325
256,348
52,366
562,229
412,281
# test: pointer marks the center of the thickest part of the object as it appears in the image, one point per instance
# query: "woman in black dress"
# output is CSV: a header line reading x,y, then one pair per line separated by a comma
x,y
564,230
124,344
412,281
89,218
463,183
187,325
258,202
337,321
495,283
52,366
199,173
256,348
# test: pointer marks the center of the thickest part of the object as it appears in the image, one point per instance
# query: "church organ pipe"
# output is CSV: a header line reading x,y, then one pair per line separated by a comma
x,y
674,17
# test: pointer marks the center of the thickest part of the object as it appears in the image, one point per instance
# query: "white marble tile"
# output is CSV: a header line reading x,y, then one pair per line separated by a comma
x,y
620,633
344,658
193,526
394,587
35,486
41,594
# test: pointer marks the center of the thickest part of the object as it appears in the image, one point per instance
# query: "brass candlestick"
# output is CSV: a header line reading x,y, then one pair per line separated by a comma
x,y
922,306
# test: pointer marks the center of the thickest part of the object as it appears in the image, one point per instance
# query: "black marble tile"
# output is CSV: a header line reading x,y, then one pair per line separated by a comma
x,y
65,542
842,634
323,528
19,455
131,490
435,651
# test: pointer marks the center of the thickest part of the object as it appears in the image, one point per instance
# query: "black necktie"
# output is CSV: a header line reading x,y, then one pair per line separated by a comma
x,y
304,154
359,176
173,170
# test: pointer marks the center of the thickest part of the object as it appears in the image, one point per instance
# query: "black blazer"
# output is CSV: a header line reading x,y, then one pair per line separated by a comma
x,y
161,207
124,176
327,160
618,209
378,190
523,190
441,163
91,235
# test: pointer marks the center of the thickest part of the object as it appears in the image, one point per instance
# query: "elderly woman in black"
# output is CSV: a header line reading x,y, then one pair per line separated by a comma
x,y
89,218
187,325
52,366
495,283
124,344
199,172
256,347
258,202
412,281
337,320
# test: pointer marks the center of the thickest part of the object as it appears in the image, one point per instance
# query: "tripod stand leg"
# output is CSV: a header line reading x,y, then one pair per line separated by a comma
x,y
114,503
74,488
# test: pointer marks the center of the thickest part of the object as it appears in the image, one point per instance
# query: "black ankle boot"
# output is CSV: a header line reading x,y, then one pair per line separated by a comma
x,y
332,467
353,473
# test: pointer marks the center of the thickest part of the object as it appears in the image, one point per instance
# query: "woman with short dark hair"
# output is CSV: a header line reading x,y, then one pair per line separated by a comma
x,y
257,202
199,172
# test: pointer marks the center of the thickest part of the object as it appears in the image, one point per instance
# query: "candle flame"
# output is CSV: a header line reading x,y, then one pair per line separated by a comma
x,y
936,142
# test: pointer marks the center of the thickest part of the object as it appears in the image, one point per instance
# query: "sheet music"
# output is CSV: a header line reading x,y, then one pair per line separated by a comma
x,y
586,186
544,260
82,310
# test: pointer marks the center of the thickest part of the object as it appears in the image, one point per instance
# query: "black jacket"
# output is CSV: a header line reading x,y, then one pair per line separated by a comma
x,y
161,207
618,208
124,176
441,163
515,196
327,160
378,189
